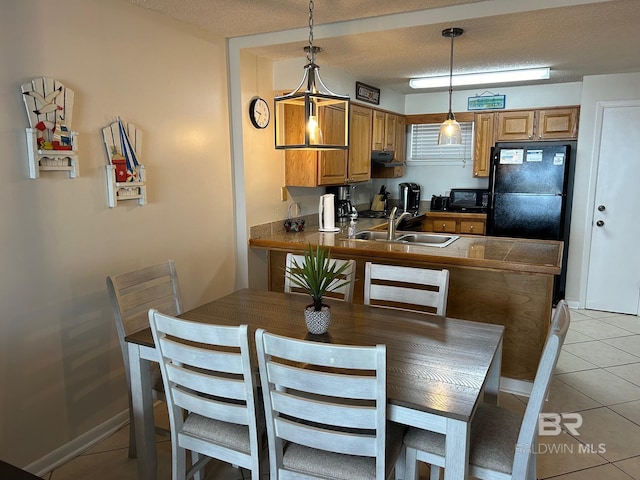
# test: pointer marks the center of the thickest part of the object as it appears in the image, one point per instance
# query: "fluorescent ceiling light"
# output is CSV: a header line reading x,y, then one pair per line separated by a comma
x,y
482,78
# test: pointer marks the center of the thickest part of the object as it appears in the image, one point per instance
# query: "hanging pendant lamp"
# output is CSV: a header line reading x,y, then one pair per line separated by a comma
x,y
450,133
312,116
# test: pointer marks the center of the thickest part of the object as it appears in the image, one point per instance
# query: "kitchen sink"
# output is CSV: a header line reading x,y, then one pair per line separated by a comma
x,y
432,239
413,238
371,235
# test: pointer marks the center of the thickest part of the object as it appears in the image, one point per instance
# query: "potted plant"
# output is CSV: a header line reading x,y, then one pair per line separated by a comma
x,y
317,275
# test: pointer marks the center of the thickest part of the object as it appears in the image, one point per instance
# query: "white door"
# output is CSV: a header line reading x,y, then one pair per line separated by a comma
x,y
613,281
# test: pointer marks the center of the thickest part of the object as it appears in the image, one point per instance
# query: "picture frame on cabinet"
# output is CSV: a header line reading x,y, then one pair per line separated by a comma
x,y
367,93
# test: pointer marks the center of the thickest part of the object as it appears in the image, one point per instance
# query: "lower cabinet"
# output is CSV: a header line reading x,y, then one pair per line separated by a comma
x,y
448,222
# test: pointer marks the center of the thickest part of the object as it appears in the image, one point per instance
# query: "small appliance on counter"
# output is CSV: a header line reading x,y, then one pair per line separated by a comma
x,y
409,197
439,203
472,200
344,210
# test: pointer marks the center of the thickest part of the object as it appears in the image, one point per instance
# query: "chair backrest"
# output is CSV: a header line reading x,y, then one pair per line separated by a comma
x,y
406,288
527,438
206,370
344,292
133,293
325,396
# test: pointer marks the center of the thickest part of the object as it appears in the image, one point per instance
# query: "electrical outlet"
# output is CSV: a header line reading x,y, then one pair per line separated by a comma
x,y
283,194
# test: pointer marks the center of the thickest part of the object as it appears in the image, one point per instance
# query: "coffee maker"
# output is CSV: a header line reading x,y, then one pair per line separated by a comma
x,y
343,208
410,197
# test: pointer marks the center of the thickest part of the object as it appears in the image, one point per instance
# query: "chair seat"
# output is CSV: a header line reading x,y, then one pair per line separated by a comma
x,y
340,466
230,435
493,439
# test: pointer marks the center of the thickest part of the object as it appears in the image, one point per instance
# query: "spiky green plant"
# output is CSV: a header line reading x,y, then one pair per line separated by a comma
x,y
316,274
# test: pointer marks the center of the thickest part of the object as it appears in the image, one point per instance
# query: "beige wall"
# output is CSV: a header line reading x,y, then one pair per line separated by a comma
x,y
62,371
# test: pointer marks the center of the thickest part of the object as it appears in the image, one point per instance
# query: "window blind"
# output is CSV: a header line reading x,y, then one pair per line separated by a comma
x,y
424,148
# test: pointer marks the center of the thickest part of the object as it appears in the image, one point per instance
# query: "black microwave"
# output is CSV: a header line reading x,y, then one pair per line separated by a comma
x,y
468,200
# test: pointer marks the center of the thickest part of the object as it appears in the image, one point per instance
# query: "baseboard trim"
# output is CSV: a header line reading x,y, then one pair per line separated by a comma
x,y
78,445
517,387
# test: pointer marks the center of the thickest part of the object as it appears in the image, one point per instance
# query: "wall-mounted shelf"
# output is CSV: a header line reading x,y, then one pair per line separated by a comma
x,y
119,191
126,177
51,144
43,160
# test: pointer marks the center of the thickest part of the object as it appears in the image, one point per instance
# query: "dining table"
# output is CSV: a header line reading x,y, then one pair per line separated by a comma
x,y
438,368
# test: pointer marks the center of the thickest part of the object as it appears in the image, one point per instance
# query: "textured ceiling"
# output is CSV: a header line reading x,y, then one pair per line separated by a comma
x,y
586,38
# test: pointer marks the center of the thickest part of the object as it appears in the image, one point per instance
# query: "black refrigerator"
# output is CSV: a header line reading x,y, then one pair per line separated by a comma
x,y
530,192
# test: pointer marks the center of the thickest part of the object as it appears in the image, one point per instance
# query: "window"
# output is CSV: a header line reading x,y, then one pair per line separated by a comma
x,y
424,148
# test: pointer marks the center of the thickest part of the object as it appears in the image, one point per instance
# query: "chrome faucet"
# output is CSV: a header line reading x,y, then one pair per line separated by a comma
x,y
394,222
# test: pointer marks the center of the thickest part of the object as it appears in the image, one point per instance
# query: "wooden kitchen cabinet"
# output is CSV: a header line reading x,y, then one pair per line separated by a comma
x,y
543,124
313,168
483,124
519,125
384,131
514,125
359,165
558,123
472,227
454,222
399,149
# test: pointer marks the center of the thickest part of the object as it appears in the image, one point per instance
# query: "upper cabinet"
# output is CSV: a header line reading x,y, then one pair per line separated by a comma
x,y
384,131
314,168
483,124
519,125
359,166
547,124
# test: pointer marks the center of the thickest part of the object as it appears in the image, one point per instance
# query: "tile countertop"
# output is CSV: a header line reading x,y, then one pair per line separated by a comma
x,y
500,253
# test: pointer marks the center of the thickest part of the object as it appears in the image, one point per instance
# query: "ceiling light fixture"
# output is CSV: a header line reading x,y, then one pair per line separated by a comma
x,y
482,78
301,116
450,133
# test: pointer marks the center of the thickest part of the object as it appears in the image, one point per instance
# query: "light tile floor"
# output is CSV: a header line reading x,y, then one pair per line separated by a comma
x,y
598,375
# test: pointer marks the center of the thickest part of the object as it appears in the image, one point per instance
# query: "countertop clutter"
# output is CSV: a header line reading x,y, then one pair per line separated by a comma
x,y
512,254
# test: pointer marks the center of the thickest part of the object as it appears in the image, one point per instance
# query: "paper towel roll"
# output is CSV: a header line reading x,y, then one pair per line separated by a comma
x,y
326,213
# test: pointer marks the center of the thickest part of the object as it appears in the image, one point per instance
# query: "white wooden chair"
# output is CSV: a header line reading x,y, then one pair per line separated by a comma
x,y
132,294
211,394
344,292
406,288
503,443
325,409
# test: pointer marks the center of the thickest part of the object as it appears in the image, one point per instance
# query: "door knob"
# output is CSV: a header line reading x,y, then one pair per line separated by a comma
x,y
601,208
600,223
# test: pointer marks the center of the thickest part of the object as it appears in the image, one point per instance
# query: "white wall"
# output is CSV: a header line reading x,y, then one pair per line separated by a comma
x,y
595,89
62,371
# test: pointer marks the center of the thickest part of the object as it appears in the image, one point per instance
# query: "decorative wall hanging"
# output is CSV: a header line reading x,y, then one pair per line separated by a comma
x,y
367,93
486,101
51,144
126,177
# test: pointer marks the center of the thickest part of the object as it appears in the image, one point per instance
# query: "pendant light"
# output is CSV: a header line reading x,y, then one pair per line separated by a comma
x,y
450,133
312,116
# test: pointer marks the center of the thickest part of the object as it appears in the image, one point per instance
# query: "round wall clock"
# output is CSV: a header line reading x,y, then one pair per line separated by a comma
x,y
259,112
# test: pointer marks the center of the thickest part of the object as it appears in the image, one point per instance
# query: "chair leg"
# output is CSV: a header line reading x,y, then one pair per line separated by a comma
x,y
195,457
133,453
400,470
178,462
411,464
435,472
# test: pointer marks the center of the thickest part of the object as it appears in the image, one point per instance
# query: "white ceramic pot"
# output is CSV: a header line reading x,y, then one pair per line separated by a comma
x,y
317,321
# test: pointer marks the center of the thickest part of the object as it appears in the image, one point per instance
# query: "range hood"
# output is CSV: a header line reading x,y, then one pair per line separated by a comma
x,y
384,158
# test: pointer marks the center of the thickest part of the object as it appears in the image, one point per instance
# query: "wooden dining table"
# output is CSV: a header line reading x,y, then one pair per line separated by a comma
x,y
438,368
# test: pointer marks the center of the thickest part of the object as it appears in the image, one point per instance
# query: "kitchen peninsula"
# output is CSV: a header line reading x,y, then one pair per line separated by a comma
x,y
497,280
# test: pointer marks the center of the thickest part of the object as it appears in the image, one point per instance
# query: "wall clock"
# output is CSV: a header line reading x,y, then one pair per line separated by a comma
x,y
259,112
